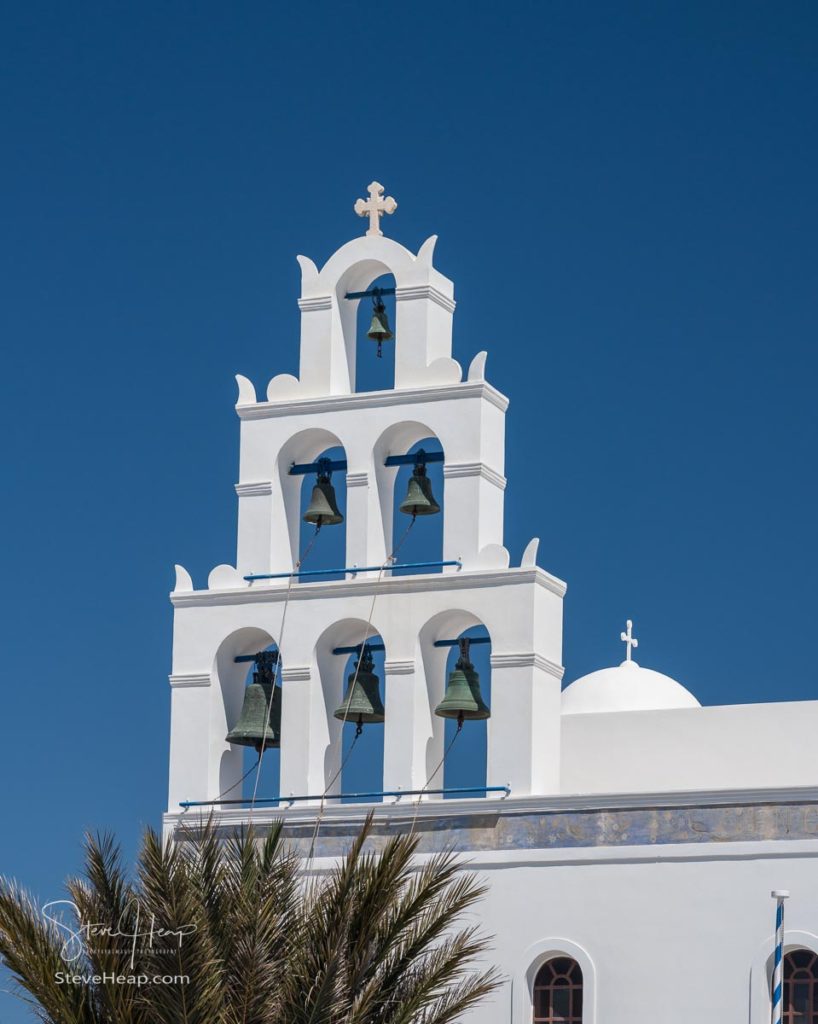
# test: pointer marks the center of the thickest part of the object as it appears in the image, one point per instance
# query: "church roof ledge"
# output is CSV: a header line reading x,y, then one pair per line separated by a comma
x,y
361,399
464,579
394,811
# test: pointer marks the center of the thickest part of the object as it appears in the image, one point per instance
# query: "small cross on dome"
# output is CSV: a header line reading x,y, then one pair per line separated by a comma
x,y
628,639
375,207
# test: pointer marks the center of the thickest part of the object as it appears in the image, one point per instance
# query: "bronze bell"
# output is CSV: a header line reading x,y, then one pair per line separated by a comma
x,y
379,328
463,699
323,508
362,701
261,698
419,500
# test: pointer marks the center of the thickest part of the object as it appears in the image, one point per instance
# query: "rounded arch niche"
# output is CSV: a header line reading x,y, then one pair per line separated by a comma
x,y
367,371
334,671
465,763
307,447
232,677
424,542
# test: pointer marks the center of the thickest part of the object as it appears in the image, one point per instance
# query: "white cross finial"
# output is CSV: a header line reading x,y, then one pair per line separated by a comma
x,y
628,639
375,207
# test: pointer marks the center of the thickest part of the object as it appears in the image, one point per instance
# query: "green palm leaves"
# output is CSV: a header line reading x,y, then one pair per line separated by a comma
x,y
379,939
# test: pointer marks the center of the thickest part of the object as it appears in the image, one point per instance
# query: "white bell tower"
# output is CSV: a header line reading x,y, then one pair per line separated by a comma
x,y
472,582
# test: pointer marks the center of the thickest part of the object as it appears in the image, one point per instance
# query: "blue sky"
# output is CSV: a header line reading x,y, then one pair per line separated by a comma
x,y
625,198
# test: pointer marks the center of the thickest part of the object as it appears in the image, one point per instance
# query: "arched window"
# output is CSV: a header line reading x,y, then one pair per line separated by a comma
x,y
801,987
558,992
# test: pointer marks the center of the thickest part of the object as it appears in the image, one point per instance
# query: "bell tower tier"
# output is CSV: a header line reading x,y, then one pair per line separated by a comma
x,y
468,420
264,601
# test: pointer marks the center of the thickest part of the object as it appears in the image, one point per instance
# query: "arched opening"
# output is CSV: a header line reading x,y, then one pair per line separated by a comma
x,y
247,653
466,758
557,994
336,653
371,372
417,530
364,687
298,469
800,996
395,455
257,730
322,540
456,757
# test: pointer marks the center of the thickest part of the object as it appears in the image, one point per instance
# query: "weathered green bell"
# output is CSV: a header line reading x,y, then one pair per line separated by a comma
x,y
463,699
379,328
323,508
362,701
262,698
419,500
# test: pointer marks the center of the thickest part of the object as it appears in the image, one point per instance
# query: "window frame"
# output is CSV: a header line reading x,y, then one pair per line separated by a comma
x,y
558,974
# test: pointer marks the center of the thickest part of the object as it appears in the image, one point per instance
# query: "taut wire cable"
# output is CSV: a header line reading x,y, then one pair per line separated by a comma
x,y
298,565
429,781
389,561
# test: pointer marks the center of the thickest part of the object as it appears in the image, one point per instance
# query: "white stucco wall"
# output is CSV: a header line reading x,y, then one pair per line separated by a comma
x,y
664,937
729,747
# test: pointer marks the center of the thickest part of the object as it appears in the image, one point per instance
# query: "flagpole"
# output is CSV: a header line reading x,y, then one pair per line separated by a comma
x,y
779,895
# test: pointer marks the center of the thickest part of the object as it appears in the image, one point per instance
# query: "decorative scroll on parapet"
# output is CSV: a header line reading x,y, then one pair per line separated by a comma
x,y
225,577
477,367
492,556
495,556
529,559
247,391
281,388
183,580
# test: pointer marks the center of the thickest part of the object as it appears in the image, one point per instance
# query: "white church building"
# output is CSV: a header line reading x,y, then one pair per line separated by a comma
x,y
631,838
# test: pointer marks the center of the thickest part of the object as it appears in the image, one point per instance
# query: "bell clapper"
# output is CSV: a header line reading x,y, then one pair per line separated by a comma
x,y
379,330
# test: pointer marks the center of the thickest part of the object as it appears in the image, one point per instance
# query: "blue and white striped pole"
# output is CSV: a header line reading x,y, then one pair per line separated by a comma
x,y
779,895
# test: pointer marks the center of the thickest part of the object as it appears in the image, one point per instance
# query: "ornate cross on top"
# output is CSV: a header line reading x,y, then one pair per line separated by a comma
x,y
628,639
375,207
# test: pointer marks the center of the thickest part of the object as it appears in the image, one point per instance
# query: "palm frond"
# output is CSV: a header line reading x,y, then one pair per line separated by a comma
x,y
31,947
378,939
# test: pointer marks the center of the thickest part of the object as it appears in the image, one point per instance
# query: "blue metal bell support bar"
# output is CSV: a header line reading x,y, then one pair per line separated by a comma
x,y
463,699
262,698
362,702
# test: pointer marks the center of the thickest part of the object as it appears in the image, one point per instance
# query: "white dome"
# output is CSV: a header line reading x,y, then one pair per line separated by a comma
x,y
628,687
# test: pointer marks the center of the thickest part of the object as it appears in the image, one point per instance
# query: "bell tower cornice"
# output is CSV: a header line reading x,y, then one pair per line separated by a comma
x,y
247,409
